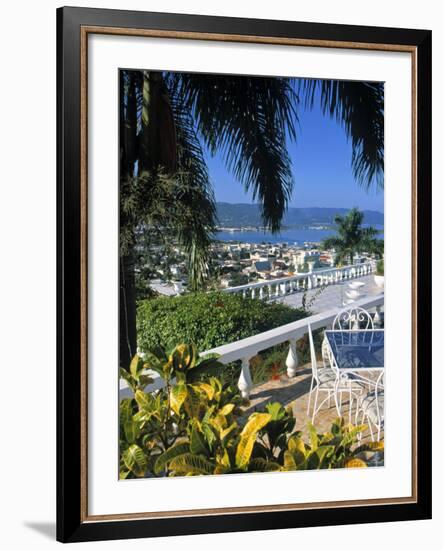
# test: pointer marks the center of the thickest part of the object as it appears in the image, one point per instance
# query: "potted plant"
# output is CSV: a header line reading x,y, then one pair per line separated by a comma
x,y
379,277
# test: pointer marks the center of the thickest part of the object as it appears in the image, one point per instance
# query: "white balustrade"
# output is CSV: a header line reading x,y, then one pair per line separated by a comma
x,y
244,350
302,281
247,348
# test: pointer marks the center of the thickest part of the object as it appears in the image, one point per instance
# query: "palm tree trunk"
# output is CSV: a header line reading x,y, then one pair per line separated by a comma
x,y
153,146
128,334
128,158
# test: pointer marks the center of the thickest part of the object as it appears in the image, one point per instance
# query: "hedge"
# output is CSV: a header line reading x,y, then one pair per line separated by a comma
x,y
208,319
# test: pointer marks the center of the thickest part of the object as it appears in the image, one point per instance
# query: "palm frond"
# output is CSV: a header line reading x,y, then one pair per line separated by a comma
x,y
197,220
352,237
247,119
359,107
331,242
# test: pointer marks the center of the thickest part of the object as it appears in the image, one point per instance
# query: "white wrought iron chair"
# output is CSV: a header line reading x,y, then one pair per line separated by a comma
x,y
349,320
327,380
371,407
353,318
325,352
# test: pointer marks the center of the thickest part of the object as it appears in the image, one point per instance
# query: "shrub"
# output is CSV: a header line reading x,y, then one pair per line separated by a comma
x,y
272,362
207,320
380,267
196,425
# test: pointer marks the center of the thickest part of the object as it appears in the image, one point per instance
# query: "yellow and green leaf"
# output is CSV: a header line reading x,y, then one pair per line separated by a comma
x,y
248,436
355,463
191,464
197,442
135,460
179,393
133,367
170,454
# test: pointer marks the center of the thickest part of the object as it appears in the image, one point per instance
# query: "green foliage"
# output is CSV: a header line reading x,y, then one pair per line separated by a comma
x,y
380,267
191,400
248,437
352,237
208,320
238,279
136,377
334,449
274,437
272,362
195,425
268,364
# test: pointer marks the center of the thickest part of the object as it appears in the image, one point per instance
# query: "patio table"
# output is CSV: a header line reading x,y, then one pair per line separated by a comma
x,y
357,351
357,354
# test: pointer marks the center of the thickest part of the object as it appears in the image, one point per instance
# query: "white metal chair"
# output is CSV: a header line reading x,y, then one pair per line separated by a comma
x,y
349,320
353,318
327,380
372,409
325,352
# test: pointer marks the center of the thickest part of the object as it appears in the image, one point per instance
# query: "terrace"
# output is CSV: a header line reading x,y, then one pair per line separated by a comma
x,y
330,288
292,388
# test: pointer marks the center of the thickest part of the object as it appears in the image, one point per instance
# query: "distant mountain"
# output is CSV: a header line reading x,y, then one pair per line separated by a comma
x,y
241,215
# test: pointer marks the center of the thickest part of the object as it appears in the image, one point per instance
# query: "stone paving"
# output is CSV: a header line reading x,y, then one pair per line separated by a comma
x,y
332,296
294,392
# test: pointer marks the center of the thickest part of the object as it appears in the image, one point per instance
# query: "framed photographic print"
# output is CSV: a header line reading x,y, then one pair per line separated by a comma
x,y
231,353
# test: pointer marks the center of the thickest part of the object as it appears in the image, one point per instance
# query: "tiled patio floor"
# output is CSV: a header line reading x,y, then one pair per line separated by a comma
x,y
332,296
294,392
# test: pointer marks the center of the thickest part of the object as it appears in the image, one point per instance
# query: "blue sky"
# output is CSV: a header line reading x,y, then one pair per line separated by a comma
x,y
321,165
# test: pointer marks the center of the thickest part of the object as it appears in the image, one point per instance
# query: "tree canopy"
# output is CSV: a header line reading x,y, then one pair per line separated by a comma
x,y
353,238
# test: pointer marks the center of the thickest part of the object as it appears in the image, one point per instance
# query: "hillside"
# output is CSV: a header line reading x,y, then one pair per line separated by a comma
x,y
241,215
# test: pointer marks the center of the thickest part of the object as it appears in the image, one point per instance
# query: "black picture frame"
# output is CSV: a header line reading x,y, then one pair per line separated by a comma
x,y
71,524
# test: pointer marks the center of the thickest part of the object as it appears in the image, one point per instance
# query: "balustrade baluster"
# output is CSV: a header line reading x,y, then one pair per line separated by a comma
x,y
292,359
245,380
377,316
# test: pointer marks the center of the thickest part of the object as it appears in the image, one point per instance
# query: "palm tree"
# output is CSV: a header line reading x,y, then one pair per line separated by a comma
x,y
167,118
352,238
359,108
